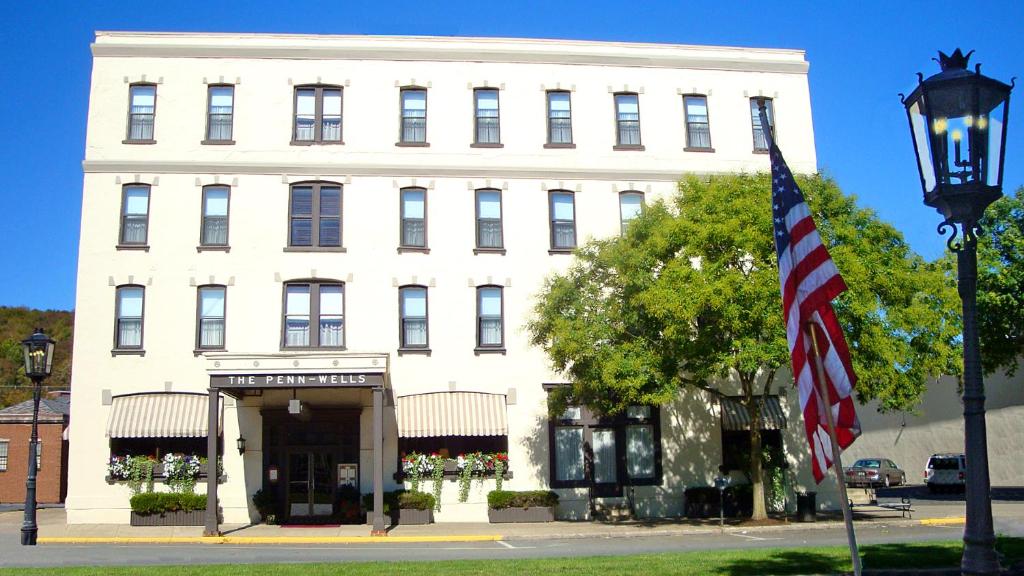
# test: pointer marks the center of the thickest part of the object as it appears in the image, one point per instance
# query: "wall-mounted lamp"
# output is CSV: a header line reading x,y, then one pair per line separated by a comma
x,y
241,445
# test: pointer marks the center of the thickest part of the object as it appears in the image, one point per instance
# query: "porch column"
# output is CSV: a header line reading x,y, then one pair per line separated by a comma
x,y
212,521
378,463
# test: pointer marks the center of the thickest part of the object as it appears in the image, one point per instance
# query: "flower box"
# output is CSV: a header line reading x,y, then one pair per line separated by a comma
x,y
176,518
515,515
405,517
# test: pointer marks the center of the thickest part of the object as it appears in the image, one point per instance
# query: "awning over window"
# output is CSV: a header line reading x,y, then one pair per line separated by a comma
x,y
736,418
161,415
451,414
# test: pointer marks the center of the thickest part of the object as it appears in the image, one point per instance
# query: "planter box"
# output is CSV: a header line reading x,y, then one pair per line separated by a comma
x,y
532,514
405,517
177,518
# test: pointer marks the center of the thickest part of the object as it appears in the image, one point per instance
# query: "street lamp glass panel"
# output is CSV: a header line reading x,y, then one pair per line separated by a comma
x,y
38,352
995,129
919,124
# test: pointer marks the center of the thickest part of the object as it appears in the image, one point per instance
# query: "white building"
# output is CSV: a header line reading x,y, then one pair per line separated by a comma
x,y
405,197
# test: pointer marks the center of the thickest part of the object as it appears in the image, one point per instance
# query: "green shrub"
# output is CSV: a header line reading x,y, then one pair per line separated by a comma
x,y
416,501
263,500
390,501
161,502
499,499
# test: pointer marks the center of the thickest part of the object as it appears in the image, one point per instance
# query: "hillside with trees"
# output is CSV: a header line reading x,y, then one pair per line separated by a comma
x,y
16,324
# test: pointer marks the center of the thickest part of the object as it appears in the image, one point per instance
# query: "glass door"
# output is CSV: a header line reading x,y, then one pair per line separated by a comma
x,y
298,484
605,463
310,486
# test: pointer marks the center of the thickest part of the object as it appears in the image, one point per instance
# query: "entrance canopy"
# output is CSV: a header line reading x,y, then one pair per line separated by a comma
x,y
451,414
735,416
160,415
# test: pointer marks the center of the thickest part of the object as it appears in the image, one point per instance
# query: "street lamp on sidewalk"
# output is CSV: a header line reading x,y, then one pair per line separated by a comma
x,y
958,125
38,351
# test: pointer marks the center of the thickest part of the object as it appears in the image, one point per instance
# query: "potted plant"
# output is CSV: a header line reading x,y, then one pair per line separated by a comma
x,y
526,506
168,509
264,502
403,508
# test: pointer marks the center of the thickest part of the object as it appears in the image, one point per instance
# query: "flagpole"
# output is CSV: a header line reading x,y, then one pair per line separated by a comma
x,y
824,396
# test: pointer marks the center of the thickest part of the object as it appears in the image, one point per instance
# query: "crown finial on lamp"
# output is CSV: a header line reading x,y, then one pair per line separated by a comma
x,y
955,61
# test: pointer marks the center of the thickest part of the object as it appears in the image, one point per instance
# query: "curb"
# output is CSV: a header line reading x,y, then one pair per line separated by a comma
x,y
268,539
951,521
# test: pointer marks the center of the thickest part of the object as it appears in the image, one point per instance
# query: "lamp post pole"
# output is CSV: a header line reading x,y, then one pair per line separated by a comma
x,y
29,528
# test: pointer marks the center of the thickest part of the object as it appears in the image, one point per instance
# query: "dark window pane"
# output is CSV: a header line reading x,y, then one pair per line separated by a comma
x,y
302,232
330,231
330,201
302,201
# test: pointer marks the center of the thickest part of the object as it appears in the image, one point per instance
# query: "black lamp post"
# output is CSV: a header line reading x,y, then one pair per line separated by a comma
x,y
38,350
958,124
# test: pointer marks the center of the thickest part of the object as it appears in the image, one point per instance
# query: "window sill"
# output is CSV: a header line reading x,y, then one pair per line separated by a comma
x,y
217,142
213,248
479,350
561,250
315,249
138,141
556,145
142,247
760,151
413,249
414,351
200,351
316,143
126,352
690,149
489,251
412,144
634,147
487,145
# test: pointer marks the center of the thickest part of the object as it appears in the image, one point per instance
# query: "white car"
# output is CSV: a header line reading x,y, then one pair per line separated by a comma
x,y
946,472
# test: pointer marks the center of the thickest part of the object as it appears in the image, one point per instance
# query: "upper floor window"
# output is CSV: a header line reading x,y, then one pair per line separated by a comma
x,y
490,332
134,215
627,118
317,114
414,218
414,116
563,220
220,114
315,215
210,312
630,206
314,315
698,131
215,216
488,219
760,142
487,123
559,118
141,111
413,312
129,313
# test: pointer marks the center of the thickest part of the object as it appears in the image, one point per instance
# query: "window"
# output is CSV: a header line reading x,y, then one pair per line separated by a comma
x,y
630,206
627,119
315,215
559,119
4,444
39,455
316,304
563,220
412,303
215,216
487,122
698,131
488,220
760,143
220,114
210,325
414,116
317,115
128,331
414,218
141,112
134,215
489,311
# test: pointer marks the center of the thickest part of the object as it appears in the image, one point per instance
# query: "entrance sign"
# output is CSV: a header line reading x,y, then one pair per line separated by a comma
x,y
332,380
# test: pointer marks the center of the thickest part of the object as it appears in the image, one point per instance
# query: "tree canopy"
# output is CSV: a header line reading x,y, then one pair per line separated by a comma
x,y
1001,284
16,324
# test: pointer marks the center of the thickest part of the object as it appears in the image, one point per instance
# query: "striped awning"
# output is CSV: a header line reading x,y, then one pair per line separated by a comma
x,y
736,418
161,415
451,414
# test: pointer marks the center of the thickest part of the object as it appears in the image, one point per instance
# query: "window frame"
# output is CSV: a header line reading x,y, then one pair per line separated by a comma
x,y
402,246
553,249
478,249
314,313
318,115
203,245
121,243
401,117
315,216
5,461
623,222
756,128
547,100
403,346
618,123
480,346
128,133
209,114
476,119
686,124
199,317
118,347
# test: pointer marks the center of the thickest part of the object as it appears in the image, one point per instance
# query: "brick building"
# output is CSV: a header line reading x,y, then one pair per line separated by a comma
x,y
15,432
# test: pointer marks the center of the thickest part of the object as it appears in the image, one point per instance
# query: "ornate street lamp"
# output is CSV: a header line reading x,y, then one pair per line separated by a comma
x,y
958,125
38,350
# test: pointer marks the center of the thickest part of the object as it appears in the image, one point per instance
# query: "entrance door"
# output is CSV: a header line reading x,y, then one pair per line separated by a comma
x,y
605,464
310,487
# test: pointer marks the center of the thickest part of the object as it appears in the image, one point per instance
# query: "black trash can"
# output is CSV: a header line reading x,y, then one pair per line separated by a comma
x,y
806,506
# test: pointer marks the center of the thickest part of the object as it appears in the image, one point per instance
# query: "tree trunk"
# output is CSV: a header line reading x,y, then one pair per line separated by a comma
x,y
756,470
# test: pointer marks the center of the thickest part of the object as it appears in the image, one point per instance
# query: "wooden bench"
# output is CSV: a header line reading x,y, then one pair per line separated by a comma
x,y
861,498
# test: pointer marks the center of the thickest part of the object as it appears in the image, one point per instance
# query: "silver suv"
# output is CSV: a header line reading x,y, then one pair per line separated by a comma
x,y
945,472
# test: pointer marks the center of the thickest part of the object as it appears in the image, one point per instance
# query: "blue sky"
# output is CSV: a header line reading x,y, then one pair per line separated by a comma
x,y
862,55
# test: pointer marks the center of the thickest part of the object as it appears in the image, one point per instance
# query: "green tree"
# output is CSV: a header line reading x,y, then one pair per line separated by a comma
x,y
1001,284
688,299
16,324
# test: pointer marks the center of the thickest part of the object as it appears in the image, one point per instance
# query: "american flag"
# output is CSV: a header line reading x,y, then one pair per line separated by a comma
x,y
810,280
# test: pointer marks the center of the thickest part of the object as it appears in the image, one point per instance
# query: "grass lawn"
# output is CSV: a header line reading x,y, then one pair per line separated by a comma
x,y
720,562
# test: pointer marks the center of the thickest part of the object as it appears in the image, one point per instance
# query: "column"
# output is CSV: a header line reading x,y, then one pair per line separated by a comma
x,y
378,463
212,521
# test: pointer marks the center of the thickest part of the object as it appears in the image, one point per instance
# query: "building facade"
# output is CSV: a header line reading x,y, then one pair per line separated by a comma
x,y
339,240
51,454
